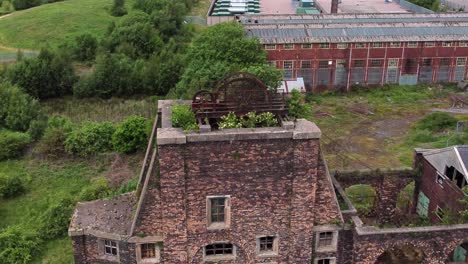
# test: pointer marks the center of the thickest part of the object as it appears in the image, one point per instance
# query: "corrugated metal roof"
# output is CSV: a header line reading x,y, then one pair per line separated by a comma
x,y
335,29
448,157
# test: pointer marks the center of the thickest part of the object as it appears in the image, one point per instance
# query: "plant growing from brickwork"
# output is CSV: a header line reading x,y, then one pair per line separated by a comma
x,y
229,121
250,120
183,117
464,213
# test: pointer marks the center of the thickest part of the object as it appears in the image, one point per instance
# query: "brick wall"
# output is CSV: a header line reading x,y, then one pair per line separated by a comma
x,y
273,188
443,195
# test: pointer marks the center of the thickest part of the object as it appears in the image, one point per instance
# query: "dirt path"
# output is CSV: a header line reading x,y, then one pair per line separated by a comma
x,y
7,15
16,49
461,111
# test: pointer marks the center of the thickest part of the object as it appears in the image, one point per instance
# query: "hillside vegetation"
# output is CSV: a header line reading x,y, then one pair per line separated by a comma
x,y
54,24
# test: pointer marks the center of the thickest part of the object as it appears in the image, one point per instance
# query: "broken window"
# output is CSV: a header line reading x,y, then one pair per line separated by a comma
x,y
449,172
429,44
439,212
219,249
459,179
360,45
342,45
392,63
306,64
148,250
325,239
444,62
359,63
440,179
376,63
110,247
218,212
426,62
340,63
447,44
325,261
288,46
377,45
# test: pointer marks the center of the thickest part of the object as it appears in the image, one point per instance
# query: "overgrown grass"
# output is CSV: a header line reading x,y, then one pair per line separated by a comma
x,y
362,197
200,8
56,23
368,128
100,110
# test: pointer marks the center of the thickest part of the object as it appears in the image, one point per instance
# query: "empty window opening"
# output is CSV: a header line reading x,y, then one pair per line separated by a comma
x,y
325,261
459,179
219,249
439,212
449,172
110,247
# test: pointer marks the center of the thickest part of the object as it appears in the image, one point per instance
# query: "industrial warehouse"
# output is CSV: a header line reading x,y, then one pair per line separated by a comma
x,y
339,51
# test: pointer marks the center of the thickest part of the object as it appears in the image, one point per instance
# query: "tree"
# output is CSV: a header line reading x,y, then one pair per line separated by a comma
x,y
268,74
118,9
49,75
217,51
85,48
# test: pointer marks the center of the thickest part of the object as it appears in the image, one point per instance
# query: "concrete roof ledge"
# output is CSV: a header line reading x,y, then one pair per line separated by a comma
x,y
306,130
169,136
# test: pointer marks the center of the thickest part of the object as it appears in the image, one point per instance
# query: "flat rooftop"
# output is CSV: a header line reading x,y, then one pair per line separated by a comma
x,y
363,6
278,6
357,28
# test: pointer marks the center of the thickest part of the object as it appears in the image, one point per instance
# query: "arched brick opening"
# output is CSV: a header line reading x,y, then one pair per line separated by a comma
x,y
405,253
364,198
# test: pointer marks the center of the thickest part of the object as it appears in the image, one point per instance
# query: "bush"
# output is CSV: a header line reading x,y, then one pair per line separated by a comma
x,y
85,49
297,108
13,144
17,246
10,186
437,121
24,4
131,135
183,116
90,139
17,109
99,188
252,120
56,219
52,143
118,9
49,75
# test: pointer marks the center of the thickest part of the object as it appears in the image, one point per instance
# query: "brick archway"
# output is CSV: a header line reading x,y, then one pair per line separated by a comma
x,y
405,253
450,249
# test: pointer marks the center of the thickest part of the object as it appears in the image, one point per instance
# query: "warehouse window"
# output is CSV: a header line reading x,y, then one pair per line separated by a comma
x,y
287,64
360,45
447,44
377,45
324,64
267,245
359,63
306,46
288,46
222,249
324,45
306,64
461,61
376,63
392,63
429,44
342,45
412,44
426,62
444,62
325,261
395,44
270,46
218,212
463,44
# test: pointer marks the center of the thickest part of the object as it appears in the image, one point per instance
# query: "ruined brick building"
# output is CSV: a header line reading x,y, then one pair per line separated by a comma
x,y
338,51
245,195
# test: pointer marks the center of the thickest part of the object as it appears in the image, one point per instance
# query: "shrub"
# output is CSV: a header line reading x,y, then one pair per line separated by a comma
x,y
99,188
183,116
85,49
17,109
56,219
12,144
49,75
131,135
229,121
90,139
118,9
252,120
437,121
52,143
17,246
297,108
10,186
24,4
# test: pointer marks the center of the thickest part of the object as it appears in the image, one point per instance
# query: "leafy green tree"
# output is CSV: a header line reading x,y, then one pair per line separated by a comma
x,y
268,74
17,109
85,48
49,75
17,246
24,4
217,51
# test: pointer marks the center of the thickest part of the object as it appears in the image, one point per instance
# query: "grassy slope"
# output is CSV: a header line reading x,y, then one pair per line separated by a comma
x,y
55,23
